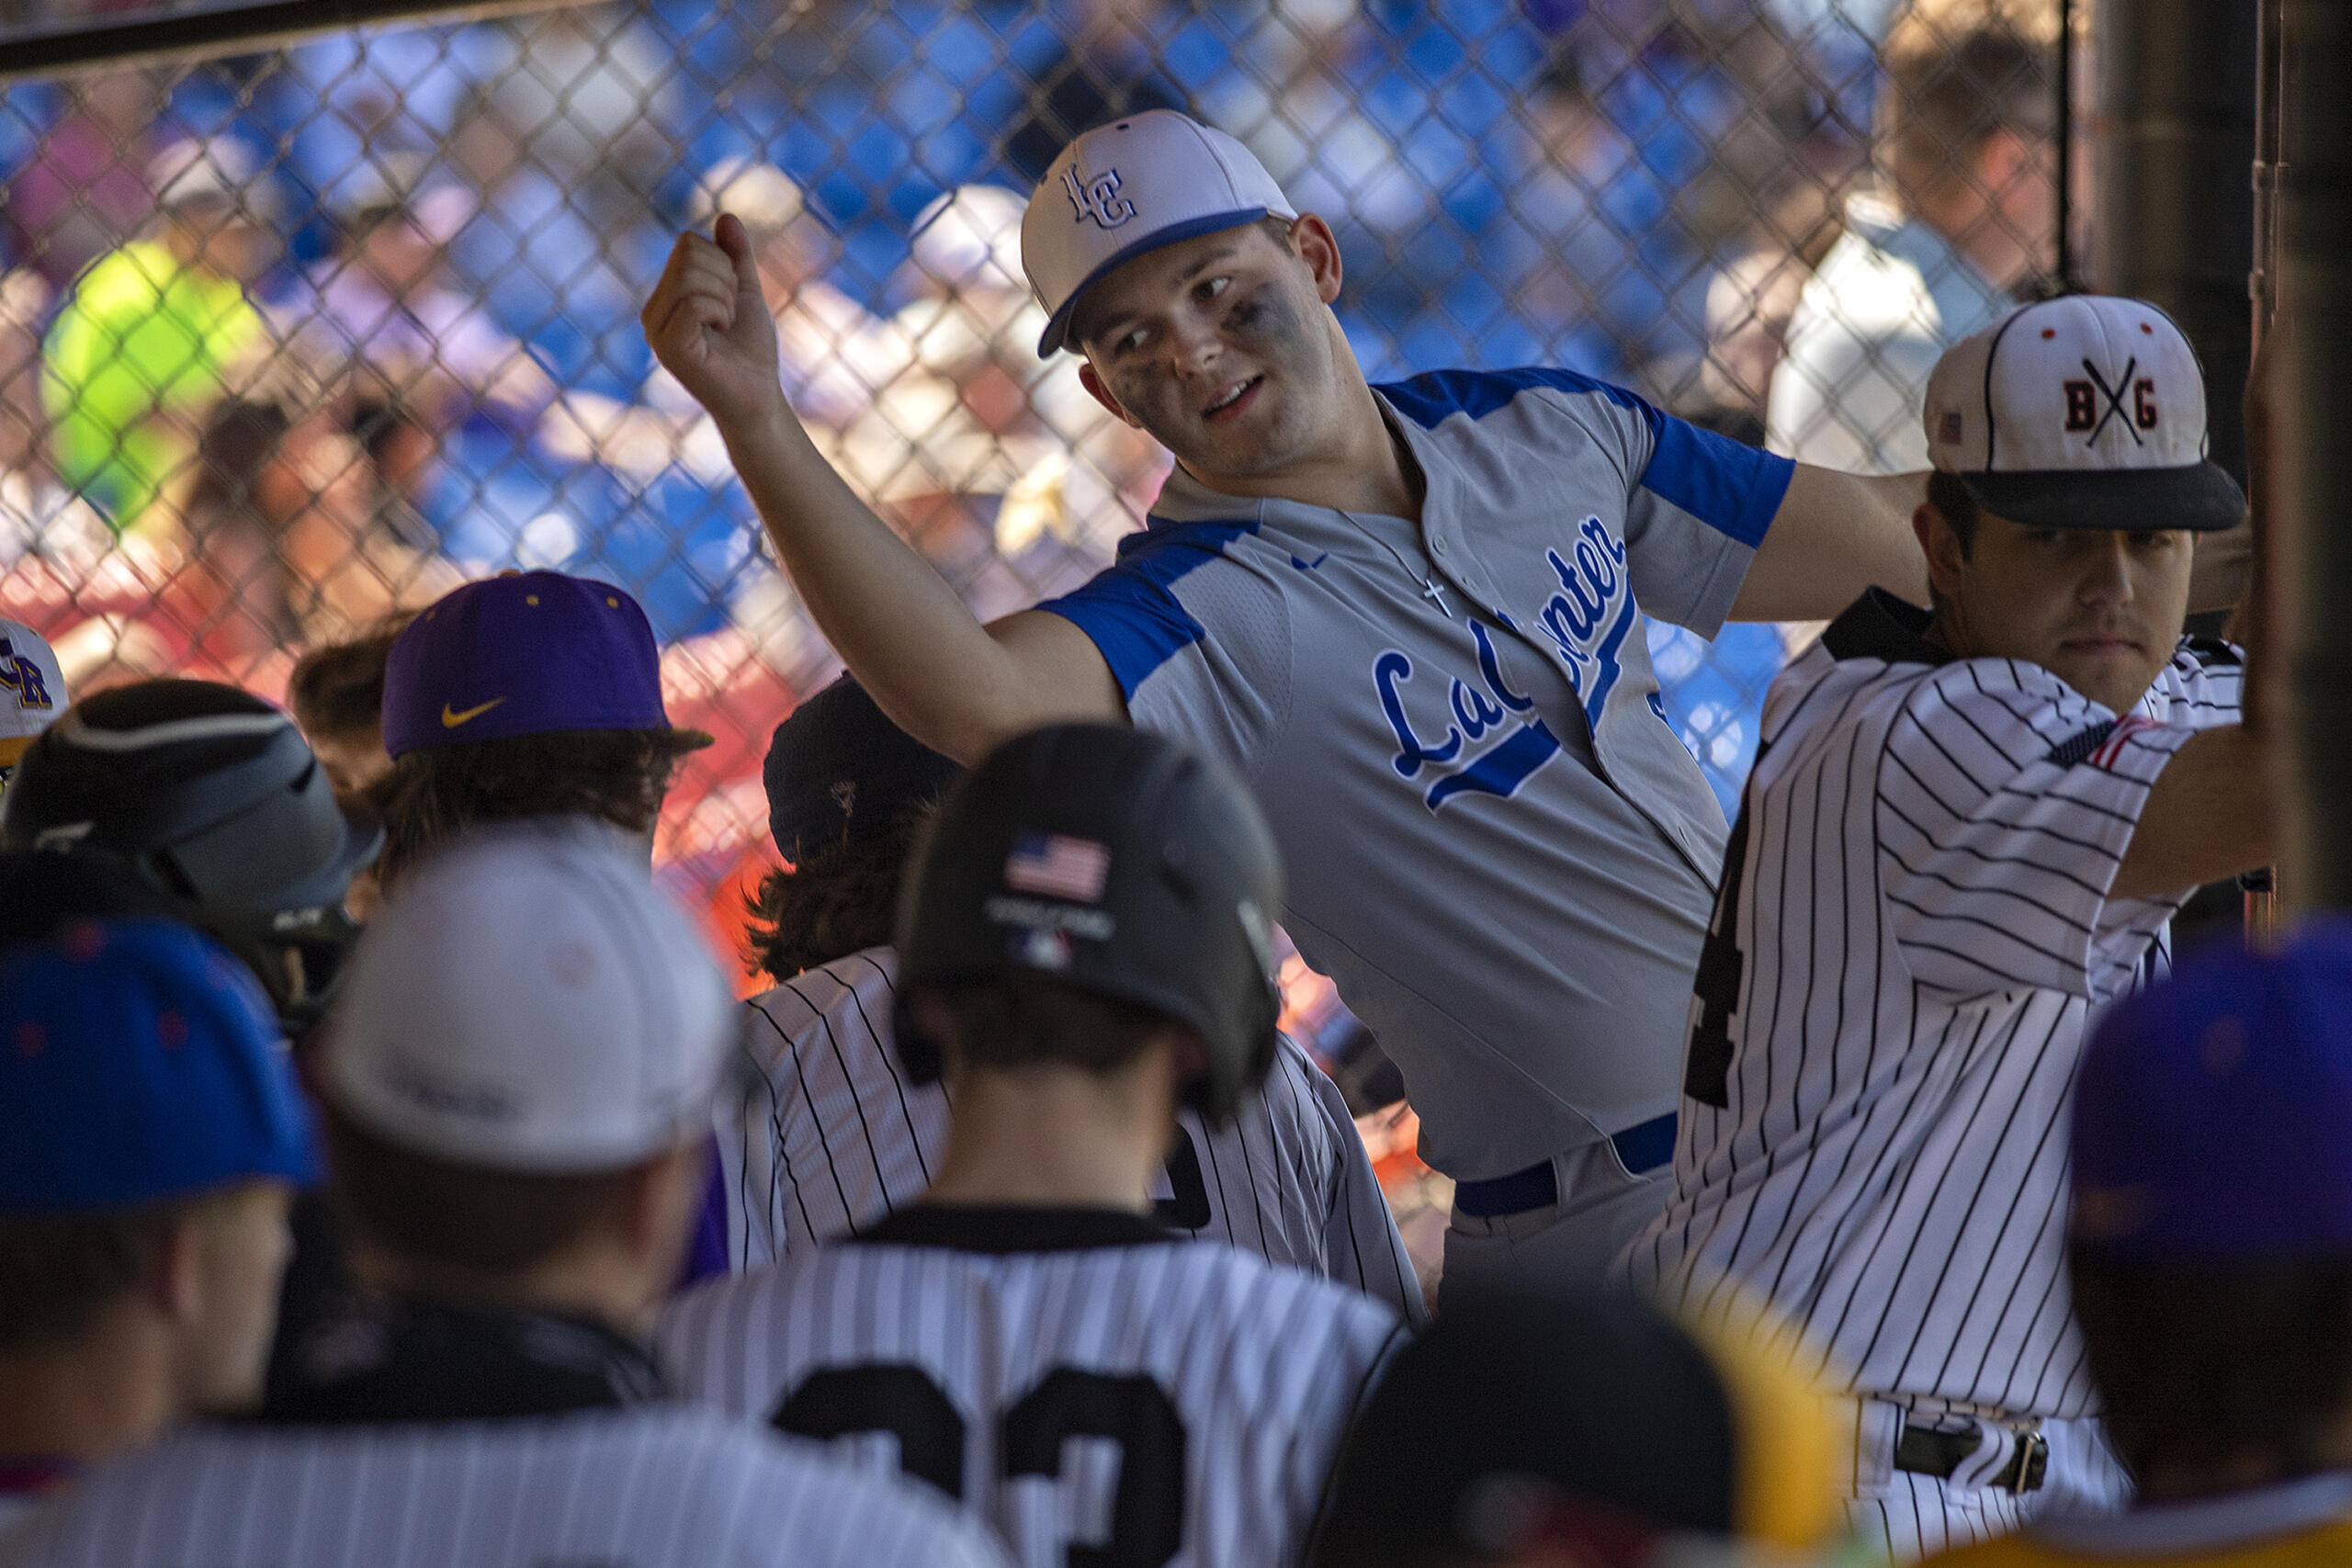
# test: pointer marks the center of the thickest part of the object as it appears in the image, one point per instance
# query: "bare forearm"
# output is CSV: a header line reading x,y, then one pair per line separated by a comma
x,y
2208,817
895,622
1834,536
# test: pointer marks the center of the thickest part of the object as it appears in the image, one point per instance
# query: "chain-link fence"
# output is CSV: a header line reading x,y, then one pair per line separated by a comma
x,y
293,340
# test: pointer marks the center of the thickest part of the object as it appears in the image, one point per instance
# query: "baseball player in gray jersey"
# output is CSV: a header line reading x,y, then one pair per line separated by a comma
x,y
1966,829
1410,615
835,1136
517,1083
1088,943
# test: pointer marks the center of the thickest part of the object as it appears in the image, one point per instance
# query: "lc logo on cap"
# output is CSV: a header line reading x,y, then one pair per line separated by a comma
x,y
1130,187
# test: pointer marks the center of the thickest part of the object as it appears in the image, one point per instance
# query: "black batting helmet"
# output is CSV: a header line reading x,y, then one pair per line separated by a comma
x,y
214,798
1122,864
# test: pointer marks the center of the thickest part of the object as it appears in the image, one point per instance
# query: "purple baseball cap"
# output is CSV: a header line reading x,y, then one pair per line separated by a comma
x,y
140,1062
522,653
2213,1112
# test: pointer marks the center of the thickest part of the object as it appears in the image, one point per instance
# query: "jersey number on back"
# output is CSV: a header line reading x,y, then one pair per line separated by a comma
x,y
1148,1508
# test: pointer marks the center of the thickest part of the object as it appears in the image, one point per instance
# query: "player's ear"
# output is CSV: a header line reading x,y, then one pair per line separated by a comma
x,y
1102,394
1319,249
172,1287
1946,560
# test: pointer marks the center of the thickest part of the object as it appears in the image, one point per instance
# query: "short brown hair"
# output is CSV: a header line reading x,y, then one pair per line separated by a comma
x,y
433,1210
339,689
1025,1019
2202,1365
1956,72
840,900
58,1272
614,776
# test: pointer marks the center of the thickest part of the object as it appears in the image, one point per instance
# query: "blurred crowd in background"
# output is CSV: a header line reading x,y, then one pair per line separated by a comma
x,y
292,341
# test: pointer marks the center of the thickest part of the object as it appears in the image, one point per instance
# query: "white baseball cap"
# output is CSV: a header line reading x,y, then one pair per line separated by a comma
x,y
528,1002
1131,187
32,689
2083,411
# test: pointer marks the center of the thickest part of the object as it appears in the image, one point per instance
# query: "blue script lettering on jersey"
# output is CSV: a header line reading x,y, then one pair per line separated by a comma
x,y
1498,771
1594,594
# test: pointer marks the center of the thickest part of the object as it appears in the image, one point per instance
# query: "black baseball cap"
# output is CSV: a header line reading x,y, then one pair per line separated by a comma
x,y
838,771
1589,1420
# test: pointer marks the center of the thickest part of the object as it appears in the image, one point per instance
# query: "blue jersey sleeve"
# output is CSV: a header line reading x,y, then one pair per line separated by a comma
x,y
1198,642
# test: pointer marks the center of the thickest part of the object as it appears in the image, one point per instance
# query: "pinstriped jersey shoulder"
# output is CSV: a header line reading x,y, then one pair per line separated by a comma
x,y
649,1485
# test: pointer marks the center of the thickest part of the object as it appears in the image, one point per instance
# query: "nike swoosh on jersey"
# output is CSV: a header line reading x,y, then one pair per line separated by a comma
x,y
452,720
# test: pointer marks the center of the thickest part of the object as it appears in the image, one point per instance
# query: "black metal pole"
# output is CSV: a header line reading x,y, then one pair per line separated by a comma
x,y
2068,282
2315,460
234,29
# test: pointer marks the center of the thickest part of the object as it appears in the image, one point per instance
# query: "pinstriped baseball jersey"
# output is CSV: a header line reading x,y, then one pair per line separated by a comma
x,y
1496,844
655,1485
1914,926
833,1137
1079,1378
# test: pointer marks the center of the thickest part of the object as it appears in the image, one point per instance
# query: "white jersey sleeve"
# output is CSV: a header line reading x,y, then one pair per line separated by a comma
x,y
2006,802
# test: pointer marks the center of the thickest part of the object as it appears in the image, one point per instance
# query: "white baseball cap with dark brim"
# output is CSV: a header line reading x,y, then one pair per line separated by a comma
x,y
1130,187
2083,411
527,1001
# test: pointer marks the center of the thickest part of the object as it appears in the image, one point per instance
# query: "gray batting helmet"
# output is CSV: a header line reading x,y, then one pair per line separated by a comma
x,y
213,798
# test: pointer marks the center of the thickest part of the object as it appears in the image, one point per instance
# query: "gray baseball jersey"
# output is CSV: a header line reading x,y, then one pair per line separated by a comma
x,y
1497,845
1913,929
1095,1387
832,1137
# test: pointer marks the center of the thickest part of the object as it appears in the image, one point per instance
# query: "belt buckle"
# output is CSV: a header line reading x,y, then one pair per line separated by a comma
x,y
2028,1467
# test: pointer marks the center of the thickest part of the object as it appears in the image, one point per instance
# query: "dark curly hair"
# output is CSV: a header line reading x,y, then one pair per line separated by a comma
x,y
615,776
840,900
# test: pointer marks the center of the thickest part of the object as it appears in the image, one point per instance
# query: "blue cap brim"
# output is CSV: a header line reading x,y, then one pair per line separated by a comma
x,y
1057,334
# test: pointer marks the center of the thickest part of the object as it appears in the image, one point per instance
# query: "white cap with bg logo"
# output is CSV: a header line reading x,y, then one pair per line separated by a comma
x,y
2083,411
1131,187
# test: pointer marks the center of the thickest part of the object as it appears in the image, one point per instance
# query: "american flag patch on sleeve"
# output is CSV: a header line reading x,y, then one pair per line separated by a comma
x,y
1054,866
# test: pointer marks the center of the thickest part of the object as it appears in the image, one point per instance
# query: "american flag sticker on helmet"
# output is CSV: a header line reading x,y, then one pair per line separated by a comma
x,y
1054,866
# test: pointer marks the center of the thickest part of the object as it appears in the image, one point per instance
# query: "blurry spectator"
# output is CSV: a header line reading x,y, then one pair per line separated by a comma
x,y
154,1132
1581,1432
1751,299
529,694
1965,218
587,91
402,352
337,695
2211,1252
836,357
1103,67
981,453
281,519
157,331
85,191
552,259
38,515
520,1237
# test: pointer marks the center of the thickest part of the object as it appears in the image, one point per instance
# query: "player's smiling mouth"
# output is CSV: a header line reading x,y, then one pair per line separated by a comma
x,y
1233,400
